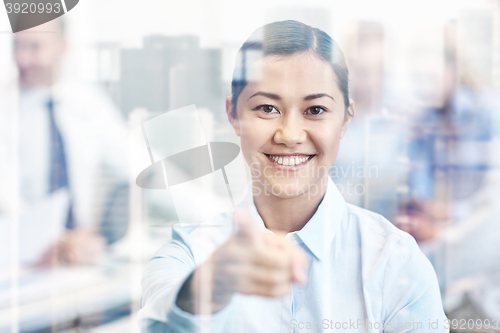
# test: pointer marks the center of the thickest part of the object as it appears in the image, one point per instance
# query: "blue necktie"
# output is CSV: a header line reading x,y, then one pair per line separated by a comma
x,y
58,167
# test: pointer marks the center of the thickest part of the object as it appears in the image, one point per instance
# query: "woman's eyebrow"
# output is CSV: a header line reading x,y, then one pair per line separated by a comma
x,y
268,95
277,97
314,96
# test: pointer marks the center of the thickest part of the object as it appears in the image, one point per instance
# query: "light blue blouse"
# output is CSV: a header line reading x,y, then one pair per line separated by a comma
x,y
364,275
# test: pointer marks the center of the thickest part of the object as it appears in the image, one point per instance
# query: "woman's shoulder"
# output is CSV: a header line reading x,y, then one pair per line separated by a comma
x,y
198,241
377,232
387,253
374,221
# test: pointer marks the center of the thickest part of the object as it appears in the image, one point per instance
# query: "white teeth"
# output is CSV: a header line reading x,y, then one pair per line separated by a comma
x,y
292,161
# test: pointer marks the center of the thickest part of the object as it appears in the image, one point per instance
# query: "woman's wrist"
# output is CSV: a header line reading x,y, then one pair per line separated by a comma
x,y
198,294
184,298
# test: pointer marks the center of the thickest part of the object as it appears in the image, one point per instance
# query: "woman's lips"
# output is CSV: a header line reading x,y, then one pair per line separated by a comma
x,y
289,162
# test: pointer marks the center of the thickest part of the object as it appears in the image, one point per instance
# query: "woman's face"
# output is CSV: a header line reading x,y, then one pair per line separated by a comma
x,y
290,117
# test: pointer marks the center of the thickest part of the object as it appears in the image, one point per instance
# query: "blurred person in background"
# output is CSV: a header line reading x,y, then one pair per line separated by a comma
x,y
71,150
453,182
367,170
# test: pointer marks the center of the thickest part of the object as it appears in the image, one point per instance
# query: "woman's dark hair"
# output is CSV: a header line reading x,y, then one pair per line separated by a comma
x,y
287,38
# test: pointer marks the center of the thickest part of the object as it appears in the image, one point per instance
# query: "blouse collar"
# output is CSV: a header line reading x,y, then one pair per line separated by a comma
x,y
318,233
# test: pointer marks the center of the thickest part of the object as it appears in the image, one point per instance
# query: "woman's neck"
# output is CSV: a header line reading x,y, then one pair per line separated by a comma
x,y
288,214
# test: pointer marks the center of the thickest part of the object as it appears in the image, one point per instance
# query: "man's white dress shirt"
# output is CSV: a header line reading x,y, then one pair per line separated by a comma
x,y
95,139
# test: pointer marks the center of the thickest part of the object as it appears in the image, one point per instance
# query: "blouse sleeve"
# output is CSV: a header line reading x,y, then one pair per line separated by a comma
x,y
164,275
411,297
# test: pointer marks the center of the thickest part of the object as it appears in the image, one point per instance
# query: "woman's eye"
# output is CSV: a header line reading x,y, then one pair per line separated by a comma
x,y
267,108
315,110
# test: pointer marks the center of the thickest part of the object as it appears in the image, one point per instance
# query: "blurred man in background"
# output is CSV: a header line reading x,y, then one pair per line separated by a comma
x,y
453,179
71,157
367,171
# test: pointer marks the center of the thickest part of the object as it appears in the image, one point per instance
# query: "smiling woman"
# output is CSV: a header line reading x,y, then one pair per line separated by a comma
x,y
295,111
293,251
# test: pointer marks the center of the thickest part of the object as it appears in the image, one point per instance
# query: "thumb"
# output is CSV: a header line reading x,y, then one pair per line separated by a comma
x,y
245,227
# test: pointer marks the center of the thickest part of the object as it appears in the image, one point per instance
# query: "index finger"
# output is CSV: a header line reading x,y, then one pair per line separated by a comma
x,y
297,256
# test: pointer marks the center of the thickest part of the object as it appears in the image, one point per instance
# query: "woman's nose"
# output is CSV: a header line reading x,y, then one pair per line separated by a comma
x,y
290,132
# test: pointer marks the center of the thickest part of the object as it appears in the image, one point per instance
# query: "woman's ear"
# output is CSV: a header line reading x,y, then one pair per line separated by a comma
x,y
231,116
347,118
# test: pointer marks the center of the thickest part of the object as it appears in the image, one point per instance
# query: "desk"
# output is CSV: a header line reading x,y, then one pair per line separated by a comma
x,y
61,298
